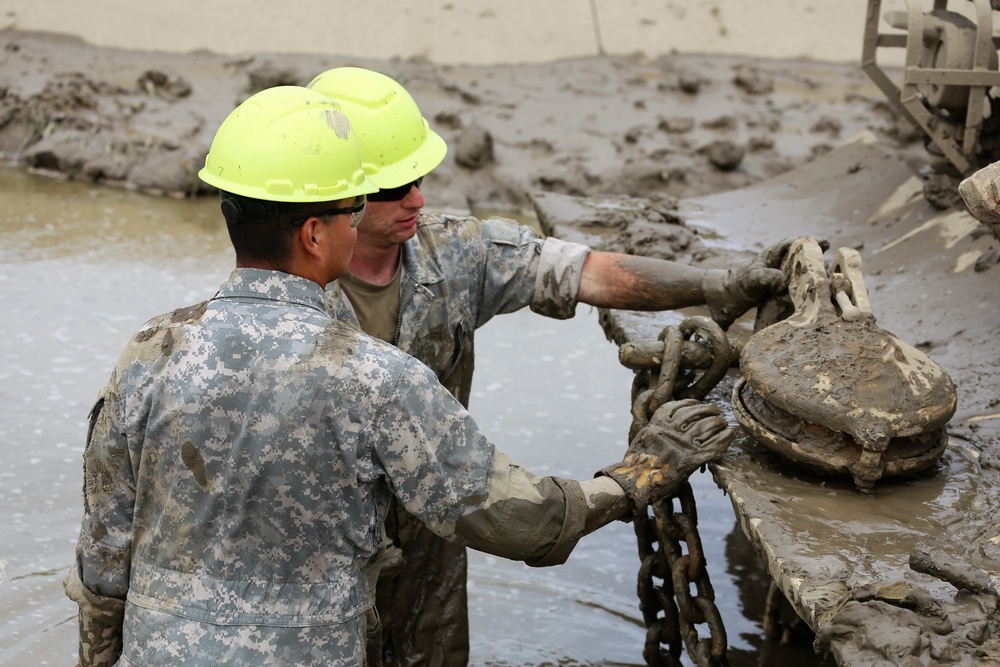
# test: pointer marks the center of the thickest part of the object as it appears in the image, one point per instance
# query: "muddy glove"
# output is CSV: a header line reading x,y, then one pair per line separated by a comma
x,y
730,293
680,438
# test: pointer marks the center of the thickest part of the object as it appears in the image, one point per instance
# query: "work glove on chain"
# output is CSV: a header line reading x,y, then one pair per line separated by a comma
x,y
680,437
730,293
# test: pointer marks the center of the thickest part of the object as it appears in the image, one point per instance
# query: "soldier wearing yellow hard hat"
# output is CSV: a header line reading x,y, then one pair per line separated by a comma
x,y
426,283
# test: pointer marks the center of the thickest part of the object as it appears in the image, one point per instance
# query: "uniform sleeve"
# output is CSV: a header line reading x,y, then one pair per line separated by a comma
x,y
538,520
445,471
557,283
521,269
98,582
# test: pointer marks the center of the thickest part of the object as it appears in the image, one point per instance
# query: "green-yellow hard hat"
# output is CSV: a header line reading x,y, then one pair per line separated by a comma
x,y
397,143
287,144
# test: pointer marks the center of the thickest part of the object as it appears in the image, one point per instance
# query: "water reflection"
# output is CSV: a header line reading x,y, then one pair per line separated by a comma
x,y
82,267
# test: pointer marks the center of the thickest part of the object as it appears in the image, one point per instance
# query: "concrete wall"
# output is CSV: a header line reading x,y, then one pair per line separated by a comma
x,y
461,31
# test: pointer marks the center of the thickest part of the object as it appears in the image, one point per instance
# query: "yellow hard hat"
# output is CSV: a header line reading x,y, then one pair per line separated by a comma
x,y
397,143
287,144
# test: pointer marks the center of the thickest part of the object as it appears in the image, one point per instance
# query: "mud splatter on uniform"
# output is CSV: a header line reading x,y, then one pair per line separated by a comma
x,y
458,272
238,468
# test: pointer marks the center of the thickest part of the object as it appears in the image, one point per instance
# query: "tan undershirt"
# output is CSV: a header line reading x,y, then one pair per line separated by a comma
x,y
377,306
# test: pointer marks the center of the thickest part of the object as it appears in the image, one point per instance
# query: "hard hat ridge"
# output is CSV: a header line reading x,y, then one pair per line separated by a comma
x,y
287,144
398,145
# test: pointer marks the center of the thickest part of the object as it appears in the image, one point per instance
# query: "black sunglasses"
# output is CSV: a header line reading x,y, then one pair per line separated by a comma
x,y
395,194
357,211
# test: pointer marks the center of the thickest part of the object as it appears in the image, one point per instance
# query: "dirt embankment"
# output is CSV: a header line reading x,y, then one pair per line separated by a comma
x,y
679,125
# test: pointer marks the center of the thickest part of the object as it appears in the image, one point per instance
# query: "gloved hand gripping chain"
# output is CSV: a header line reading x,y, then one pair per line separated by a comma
x,y
669,370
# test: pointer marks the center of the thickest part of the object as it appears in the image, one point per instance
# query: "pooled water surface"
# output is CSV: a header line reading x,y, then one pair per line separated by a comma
x,y
82,267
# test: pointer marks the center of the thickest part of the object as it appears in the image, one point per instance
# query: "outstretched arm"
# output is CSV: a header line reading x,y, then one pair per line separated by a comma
x,y
540,519
629,282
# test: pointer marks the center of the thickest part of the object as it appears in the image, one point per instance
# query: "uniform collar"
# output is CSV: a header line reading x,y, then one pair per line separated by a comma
x,y
273,286
421,265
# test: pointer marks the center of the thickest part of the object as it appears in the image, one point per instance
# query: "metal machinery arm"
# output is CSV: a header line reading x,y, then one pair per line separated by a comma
x,y
951,63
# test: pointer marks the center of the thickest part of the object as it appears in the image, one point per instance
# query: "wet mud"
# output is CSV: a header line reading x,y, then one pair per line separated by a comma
x,y
702,159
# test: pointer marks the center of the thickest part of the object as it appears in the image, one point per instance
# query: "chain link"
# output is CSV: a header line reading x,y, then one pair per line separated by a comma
x,y
669,609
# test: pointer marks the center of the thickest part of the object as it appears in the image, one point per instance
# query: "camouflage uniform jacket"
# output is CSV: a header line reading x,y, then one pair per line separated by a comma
x,y
460,272
238,467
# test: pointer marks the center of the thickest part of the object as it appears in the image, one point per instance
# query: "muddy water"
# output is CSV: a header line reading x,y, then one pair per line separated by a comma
x,y
82,267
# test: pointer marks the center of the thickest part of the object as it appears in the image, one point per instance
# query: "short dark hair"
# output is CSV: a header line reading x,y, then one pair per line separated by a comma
x,y
262,230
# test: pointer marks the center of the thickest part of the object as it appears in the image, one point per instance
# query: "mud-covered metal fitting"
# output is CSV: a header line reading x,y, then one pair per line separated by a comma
x,y
827,388
980,193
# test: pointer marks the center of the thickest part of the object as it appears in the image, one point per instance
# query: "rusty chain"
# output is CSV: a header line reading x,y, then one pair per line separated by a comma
x,y
687,361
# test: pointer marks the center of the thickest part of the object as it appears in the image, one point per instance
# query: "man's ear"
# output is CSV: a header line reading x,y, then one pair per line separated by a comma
x,y
308,232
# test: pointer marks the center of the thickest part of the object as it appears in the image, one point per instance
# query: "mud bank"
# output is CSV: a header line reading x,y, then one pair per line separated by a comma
x,y
679,125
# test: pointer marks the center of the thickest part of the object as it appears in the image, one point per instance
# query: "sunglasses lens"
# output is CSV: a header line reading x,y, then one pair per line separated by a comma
x,y
395,194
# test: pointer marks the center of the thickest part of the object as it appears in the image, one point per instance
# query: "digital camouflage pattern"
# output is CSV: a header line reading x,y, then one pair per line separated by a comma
x,y
457,273
238,470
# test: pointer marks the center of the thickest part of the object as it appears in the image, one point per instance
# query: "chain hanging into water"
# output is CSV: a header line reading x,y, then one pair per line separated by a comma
x,y
667,370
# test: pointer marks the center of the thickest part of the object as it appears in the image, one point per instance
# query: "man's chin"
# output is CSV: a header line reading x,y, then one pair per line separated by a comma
x,y
405,230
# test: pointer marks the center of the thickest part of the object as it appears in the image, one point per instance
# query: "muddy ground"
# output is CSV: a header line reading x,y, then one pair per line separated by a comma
x,y
667,129
678,125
